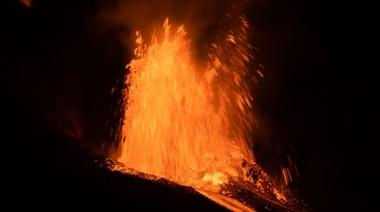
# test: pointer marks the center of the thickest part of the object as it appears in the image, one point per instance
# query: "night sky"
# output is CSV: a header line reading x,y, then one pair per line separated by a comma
x,y
60,59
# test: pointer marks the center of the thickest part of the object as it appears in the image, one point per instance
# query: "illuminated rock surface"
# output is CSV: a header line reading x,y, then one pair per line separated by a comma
x,y
50,170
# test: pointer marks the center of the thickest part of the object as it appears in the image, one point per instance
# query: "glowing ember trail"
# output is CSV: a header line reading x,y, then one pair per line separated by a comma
x,y
183,117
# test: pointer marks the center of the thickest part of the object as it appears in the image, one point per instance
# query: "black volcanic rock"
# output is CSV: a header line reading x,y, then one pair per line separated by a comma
x,y
48,169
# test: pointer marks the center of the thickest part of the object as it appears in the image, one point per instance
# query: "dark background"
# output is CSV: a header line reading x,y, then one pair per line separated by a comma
x,y
59,61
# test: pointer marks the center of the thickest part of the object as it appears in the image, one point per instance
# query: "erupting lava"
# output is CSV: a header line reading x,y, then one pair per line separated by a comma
x,y
184,117
188,116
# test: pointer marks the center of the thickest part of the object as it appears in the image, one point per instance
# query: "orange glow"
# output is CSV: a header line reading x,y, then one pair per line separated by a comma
x,y
26,2
187,120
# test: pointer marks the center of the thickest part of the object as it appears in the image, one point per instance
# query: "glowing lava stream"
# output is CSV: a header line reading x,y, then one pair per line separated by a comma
x,y
186,120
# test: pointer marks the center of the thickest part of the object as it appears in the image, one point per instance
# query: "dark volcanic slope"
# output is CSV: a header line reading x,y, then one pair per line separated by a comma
x,y
45,169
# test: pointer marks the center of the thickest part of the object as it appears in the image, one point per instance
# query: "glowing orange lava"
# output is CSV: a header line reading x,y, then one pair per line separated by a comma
x,y
188,116
186,119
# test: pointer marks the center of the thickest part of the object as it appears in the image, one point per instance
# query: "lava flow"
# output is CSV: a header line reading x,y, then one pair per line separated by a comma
x,y
188,116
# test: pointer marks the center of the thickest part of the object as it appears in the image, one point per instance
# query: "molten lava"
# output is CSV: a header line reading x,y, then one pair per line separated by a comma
x,y
186,118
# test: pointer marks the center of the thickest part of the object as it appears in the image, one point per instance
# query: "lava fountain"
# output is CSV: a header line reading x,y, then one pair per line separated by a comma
x,y
183,115
188,112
